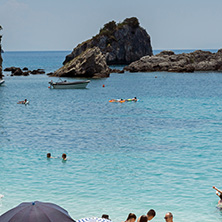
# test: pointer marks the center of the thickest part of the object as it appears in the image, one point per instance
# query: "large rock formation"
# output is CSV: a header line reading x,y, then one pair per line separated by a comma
x,y
186,62
0,58
121,43
90,64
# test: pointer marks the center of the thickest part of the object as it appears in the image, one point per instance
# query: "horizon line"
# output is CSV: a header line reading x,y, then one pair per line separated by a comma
x,y
207,49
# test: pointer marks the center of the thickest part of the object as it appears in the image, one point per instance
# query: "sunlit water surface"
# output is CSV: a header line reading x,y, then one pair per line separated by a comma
x,y
163,152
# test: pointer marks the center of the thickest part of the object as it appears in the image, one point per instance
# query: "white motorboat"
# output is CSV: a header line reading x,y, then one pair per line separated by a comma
x,y
69,85
1,81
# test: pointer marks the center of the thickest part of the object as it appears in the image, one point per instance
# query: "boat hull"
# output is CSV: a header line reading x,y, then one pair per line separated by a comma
x,y
1,81
70,85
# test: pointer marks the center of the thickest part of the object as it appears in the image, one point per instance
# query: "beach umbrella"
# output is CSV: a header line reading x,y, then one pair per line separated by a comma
x,y
93,219
36,212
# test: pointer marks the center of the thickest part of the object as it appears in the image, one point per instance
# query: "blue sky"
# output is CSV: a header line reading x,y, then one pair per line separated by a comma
x,y
62,24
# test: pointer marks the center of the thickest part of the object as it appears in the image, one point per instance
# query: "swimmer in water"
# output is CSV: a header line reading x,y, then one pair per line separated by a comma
x,y
131,218
134,99
22,102
49,155
64,156
219,194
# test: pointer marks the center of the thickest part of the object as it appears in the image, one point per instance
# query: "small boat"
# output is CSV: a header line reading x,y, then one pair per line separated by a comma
x,y
69,85
1,81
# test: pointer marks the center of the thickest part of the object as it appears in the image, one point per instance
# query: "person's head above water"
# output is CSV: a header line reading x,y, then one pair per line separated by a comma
x,y
169,217
64,156
131,217
48,155
151,214
105,216
143,218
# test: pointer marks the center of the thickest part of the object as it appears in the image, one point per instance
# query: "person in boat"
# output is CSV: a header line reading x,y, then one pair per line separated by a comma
x,y
64,156
131,218
219,194
22,102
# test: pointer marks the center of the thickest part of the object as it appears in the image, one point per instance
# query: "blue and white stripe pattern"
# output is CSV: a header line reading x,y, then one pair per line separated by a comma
x,y
93,219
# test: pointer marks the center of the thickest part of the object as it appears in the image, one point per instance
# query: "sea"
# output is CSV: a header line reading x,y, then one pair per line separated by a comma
x,y
162,152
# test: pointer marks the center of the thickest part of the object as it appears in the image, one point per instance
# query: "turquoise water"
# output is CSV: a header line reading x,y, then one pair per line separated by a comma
x,y
163,152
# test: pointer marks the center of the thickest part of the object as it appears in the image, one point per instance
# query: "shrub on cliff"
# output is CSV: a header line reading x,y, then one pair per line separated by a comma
x,y
108,29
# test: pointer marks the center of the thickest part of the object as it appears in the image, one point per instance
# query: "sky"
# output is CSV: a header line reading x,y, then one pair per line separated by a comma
x,y
51,25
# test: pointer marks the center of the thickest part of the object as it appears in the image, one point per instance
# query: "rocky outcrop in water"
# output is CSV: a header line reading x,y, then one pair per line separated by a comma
x,y
90,64
16,71
0,57
121,43
186,62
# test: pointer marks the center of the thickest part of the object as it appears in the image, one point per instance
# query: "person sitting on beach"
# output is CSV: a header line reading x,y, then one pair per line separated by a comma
x,y
219,194
169,217
22,102
151,214
64,156
131,218
142,218
105,216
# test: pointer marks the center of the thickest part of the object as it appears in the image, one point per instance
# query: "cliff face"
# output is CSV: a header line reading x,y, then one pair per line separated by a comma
x,y
121,43
0,58
90,64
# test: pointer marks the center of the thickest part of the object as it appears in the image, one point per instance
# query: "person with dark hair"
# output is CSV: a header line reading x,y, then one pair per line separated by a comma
x,y
142,218
64,156
131,218
169,217
219,194
105,216
49,155
151,214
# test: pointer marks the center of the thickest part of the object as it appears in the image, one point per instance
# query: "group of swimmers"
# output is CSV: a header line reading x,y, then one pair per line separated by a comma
x,y
144,218
123,100
64,157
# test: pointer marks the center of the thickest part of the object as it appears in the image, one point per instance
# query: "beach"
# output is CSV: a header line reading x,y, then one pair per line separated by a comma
x,y
162,152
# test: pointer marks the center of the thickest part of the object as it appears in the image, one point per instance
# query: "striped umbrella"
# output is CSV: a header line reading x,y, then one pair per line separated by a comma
x,y
93,219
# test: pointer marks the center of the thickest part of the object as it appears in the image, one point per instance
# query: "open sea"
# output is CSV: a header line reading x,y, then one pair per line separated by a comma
x,y
162,152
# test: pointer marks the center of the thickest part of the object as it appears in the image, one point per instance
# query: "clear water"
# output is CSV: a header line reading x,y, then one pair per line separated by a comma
x,y
163,152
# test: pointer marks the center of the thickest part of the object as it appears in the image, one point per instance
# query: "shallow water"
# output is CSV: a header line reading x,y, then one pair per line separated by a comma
x,y
163,152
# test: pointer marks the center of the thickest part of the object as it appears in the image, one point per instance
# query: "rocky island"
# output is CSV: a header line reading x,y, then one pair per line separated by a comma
x,y
0,56
115,44
121,43
186,62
